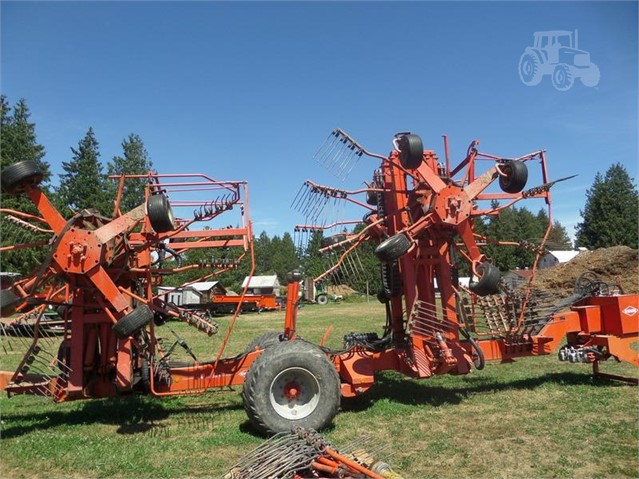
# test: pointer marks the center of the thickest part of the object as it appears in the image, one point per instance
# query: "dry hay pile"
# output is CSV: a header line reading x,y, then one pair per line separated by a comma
x,y
340,290
618,265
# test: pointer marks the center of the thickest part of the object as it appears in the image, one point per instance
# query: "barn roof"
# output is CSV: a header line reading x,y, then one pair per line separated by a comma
x,y
262,282
206,286
564,256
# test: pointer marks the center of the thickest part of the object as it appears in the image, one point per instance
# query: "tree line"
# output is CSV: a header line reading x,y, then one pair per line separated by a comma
x,y
610,216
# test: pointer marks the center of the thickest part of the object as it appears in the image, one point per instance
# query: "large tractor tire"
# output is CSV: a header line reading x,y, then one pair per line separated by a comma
x,y
392,248
8,302
265,341
515,176
160,214
291,384
17,177
488,282
322,299
530,69
132,322
411,151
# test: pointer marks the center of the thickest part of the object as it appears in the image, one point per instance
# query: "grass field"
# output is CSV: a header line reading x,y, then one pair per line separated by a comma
x,y
537,417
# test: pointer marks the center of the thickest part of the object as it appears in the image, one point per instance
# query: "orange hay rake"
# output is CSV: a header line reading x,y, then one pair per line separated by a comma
x,y
103,273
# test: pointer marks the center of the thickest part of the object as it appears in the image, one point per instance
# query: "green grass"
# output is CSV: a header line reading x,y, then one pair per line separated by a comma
x,y
537,417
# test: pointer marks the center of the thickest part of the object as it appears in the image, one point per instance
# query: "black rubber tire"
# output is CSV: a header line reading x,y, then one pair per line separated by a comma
x,y
383,296
290,357
322,299
366,219
132,322
9,301
516,176
411,151
392,248
160,214
334,239
145,375
265,341
488,282
391,279
371,198
16,177
294,276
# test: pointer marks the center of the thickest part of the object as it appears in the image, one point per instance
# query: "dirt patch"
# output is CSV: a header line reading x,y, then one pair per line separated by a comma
x,y
618,264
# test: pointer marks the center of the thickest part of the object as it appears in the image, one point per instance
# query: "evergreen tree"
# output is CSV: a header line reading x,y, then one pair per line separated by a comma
x,y
263,256
18,142
83,185
312,263
610,216
285,258
134,161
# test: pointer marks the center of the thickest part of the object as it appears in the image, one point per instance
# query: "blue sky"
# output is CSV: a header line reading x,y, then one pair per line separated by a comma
x,y
251,90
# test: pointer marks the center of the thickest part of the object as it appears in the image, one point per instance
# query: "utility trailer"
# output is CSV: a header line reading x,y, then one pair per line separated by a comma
x,y
419,212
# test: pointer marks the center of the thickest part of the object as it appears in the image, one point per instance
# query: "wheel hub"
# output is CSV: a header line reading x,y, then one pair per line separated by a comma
x,y
294,393
292,390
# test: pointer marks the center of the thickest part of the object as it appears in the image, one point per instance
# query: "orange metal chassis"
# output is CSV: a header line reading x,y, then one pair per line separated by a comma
x,y
91,258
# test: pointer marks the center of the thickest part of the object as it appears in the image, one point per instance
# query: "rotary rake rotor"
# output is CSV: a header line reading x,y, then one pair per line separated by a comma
x,y
101,276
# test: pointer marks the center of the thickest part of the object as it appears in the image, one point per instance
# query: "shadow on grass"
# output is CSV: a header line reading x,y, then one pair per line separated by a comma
x,y
398,389
133,415
141,414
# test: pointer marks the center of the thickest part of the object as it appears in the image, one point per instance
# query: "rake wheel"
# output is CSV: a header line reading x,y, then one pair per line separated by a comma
x,y
488,282
411,151
132,322
17,177
160,214
515,176
392,248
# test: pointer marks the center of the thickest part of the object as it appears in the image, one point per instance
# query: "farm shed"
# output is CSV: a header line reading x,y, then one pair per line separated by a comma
x,y
552,258
180,296
208,289
516,277
262,285
196,293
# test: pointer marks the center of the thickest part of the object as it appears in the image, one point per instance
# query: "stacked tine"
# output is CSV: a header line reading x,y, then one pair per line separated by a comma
x,y
42,368
426,321
317,202
339,154
278,457
344,266
305,453
213,208
302,236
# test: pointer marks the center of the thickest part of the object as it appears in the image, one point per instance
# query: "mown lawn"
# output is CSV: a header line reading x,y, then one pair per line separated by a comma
x,y
537,417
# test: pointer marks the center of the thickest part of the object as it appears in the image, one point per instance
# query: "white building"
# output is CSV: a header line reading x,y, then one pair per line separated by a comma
x,y
262,285
196,293
180,296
